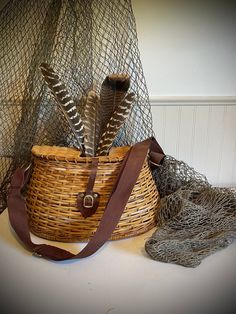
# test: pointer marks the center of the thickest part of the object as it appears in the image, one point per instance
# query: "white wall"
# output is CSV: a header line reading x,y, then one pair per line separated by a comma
x,y
188,51
188,47
202,136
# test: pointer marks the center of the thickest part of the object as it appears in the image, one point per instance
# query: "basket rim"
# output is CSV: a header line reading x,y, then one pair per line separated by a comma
x,y
73,154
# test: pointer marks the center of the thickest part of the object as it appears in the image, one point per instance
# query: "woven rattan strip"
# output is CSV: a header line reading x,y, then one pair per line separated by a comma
x,y
73,154
53,189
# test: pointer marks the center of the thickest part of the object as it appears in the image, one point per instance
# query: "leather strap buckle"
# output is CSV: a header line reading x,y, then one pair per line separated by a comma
x,y
88,201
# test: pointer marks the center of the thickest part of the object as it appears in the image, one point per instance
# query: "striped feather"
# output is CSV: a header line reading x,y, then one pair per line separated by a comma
x,y
114,125
113,91
66,103
80,102
91,123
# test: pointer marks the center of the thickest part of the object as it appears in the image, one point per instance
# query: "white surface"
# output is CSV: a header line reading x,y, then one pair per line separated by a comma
x,y
187,47
120,278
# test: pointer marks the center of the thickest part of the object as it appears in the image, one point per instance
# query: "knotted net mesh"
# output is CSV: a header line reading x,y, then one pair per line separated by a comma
x,y
84,41
195,219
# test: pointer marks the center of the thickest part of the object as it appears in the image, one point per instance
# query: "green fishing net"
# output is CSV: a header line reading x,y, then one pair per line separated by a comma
x,y
84,41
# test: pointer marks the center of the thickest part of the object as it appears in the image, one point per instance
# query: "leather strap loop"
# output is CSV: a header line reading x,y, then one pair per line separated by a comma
x,y
127,177
88,201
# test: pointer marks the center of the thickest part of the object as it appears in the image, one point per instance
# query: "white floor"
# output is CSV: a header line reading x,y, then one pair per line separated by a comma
x,y
120,278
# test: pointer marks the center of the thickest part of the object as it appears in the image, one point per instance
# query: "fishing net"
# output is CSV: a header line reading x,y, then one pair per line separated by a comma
x,y
84,41
195,219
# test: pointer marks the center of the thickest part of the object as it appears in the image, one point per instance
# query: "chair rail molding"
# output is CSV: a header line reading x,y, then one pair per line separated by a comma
x,y
192,100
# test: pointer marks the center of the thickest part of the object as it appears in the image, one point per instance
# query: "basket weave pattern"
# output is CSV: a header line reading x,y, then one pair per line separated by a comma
x,y
59,174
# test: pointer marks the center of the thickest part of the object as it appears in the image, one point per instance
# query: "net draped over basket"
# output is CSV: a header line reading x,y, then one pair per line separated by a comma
x,y
84,41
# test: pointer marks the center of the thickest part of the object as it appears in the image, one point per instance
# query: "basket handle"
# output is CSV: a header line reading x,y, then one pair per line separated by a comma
x,y
127,177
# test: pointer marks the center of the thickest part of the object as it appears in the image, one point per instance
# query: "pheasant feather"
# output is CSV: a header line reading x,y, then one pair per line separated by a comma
x,y
114,125
113,91
91,123
66,103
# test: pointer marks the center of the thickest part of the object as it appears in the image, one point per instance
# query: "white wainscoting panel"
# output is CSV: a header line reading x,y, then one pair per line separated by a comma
x,y
202,135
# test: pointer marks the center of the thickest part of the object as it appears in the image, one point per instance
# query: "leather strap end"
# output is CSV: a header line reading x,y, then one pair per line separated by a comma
x,y
156,159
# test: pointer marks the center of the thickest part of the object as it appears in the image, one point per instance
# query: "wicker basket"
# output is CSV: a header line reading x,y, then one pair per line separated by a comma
x,y
59,174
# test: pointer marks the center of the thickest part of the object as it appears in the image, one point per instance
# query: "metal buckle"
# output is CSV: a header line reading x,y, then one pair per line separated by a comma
x,y
36,254
88,201
153,163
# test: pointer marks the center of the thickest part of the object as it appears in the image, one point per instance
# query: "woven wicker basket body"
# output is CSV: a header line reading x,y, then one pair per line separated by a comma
x,y
59,174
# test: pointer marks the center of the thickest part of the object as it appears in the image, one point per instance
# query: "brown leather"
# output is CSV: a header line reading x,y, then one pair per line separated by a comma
x,y
88,201
155,154
127,177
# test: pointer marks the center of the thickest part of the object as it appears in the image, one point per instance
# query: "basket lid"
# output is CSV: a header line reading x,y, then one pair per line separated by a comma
x,y
73,154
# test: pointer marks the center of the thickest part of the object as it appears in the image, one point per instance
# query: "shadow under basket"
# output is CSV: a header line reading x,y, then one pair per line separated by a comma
x,y
59,174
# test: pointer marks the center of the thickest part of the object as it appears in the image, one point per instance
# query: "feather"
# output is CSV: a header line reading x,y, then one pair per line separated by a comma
x,y
66,103
113,91
114,125
91,123
80,102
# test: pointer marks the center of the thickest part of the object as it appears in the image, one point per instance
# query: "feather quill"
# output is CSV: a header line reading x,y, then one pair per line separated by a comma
x,y
66,103
113,126
91,123
113,91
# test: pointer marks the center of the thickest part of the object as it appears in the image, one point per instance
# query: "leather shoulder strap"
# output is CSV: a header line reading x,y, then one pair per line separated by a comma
x,y
127,177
